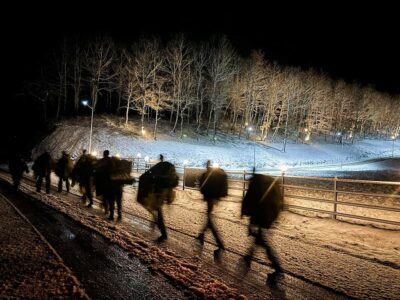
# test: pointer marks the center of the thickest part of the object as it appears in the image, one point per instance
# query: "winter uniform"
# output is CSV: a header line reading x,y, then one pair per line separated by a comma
x,y
213,186
83,173
63,170
156,187
42,168
17,166
263,203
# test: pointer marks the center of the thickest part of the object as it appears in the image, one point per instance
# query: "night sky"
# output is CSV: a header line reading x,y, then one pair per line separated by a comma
x,y
360,43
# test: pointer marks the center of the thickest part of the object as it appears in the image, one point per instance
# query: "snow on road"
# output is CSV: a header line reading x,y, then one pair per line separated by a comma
x,y
322,258
29,269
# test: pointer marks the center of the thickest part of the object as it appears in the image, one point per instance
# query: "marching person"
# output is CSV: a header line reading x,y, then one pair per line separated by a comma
x,y
213,186
263,202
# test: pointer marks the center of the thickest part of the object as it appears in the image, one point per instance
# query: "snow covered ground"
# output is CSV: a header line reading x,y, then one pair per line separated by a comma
x,y
318,255
229,152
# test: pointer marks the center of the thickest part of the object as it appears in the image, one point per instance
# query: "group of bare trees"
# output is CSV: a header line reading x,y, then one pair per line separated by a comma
x,y
206,87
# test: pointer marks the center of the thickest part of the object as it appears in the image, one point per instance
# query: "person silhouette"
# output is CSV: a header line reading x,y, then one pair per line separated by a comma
x,y
213,186
263,202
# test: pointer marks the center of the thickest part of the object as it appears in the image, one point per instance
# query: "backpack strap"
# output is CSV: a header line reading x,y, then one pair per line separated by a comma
x,y
268,190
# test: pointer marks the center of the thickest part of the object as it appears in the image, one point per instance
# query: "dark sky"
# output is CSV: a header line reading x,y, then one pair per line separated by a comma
x,y
354,43
358,43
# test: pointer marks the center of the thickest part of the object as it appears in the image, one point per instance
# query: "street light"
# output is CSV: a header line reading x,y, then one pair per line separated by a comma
x,y
86,103
393,139
340,138
250,129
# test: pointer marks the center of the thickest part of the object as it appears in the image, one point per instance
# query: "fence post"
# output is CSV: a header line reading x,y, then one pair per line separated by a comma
x,y
335,197
244,183
183,179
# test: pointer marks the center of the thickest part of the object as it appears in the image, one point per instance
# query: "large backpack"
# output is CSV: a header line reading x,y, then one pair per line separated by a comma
x,y
121,171
263,201
214,184
156,185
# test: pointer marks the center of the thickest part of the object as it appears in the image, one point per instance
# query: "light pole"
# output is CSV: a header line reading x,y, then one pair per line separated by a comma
x,y
250,129
86,103
393,139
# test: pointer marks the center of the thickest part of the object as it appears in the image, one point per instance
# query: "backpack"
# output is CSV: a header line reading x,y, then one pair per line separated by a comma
x,y
263,201
214,184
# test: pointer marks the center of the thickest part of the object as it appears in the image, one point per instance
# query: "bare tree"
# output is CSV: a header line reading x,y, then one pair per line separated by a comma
x,y
179,56
201,59
223,66
145,63
98,64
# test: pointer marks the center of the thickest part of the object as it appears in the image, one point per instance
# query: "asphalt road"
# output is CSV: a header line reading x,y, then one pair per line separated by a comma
x,y
105,270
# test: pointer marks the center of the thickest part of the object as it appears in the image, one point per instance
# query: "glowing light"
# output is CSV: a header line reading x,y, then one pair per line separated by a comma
x,y
306,129
250,129
117,155
184,135
139,155
307,138
283,168
143,131
392,137
146,159
339,133
185,162
94,153
215,165
85,102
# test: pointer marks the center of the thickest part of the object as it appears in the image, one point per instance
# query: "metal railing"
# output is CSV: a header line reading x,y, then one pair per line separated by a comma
x,y
375,201
321,196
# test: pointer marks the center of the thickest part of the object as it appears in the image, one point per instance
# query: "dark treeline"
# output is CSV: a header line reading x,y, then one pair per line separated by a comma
x,y
208,87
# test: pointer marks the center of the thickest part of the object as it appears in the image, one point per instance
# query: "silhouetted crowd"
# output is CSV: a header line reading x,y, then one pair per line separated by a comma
x,y
262,203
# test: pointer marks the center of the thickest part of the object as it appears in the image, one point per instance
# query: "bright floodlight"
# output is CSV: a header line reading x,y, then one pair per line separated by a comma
x,y
215,165
185,162
85,102
139,155
146,159
283,168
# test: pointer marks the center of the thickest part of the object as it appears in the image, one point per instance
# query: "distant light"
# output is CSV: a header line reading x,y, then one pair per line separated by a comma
x,y
307,138
393,137
283,168
339,133
215,165
143,130
139,155
246,124
184,135
185,162
306,129
117,155
94,153
250,129
85,102
146,159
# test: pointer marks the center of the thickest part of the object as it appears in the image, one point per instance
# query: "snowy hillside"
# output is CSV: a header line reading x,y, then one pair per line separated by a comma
x,y
228,151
